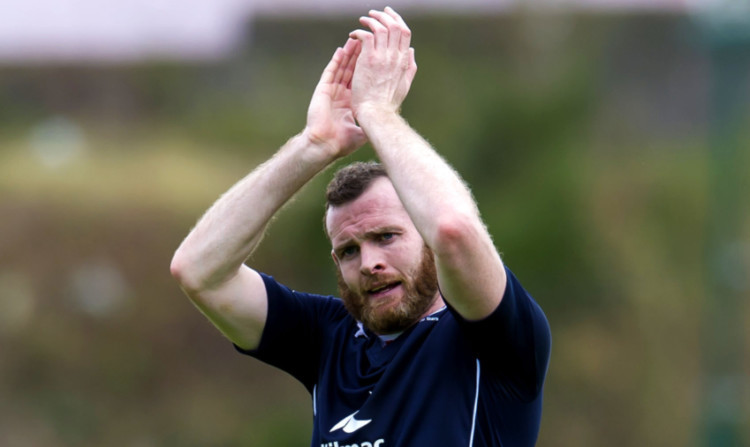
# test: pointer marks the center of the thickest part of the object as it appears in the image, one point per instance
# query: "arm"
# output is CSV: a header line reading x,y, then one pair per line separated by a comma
x,y
471,273
209,264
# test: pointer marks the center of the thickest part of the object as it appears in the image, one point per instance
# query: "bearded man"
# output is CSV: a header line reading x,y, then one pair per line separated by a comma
x,y
434,342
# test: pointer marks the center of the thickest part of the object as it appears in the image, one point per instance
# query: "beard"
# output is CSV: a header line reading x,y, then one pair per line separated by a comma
x,y
420,291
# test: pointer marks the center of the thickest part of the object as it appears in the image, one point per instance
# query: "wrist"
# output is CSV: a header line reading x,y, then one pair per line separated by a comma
x,y
368,114
315,149
370,111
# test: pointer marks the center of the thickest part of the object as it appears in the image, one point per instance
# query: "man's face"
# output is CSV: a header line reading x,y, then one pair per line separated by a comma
x,y
386,273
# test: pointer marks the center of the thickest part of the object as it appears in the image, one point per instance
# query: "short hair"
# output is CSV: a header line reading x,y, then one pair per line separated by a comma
x,y
351,181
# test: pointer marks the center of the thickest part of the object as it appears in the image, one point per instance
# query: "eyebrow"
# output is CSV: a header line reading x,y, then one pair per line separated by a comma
x,y
381,230
369,235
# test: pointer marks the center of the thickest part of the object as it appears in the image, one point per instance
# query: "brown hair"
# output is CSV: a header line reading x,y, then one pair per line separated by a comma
x,y
351,181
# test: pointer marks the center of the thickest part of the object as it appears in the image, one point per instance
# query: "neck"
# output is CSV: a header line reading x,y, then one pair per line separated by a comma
x,y
437,304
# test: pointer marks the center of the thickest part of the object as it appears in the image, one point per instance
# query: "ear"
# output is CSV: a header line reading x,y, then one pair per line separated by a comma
x,y
335,259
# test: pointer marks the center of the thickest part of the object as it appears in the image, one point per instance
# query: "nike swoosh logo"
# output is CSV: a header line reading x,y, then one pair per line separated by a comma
x,y
350,424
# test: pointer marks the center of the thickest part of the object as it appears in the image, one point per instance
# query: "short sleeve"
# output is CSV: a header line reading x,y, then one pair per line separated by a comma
x,y
513,343
296,321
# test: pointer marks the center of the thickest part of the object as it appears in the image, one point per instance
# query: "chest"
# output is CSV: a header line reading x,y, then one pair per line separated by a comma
x,y
422,385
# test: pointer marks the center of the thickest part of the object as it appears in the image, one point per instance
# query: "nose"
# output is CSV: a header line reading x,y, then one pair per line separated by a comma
x,y
371,260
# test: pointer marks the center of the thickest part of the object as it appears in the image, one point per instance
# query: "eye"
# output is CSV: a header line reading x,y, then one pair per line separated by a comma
x,y
385,237
347,251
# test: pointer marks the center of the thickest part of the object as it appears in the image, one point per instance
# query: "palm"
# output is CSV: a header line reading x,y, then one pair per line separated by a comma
x,y
329,118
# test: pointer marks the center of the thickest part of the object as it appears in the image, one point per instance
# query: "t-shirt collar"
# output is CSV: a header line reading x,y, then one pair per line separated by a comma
x,y
361,332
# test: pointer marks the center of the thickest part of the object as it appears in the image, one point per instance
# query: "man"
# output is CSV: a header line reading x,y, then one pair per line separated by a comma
x,y
434,343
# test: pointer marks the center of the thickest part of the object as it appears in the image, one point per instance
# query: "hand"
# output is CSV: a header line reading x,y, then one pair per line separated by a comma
x,y
330,121
386,66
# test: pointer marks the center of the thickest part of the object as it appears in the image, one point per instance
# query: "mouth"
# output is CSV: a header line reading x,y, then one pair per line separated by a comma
x,y
382,289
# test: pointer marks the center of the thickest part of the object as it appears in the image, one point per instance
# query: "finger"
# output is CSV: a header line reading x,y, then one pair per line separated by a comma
x,y
343,61
378,30
330,71
350,45
395,16
405,30
412,70
354,47
366,38
394,28
351,52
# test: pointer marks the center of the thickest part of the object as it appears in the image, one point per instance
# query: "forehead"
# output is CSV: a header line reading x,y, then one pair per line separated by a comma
x,y
377,207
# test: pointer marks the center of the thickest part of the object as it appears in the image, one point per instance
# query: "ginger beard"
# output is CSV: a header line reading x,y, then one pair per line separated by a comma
x,y
420,291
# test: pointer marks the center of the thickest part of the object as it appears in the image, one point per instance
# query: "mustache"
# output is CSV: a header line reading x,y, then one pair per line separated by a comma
x,y
380,280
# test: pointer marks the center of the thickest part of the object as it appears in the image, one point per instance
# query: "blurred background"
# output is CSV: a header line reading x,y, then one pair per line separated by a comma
x,y
607,143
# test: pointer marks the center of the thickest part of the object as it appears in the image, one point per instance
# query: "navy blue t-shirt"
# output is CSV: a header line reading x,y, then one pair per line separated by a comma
x,y
445,381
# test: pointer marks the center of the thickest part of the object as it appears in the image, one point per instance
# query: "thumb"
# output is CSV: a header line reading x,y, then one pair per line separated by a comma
x,y
411,72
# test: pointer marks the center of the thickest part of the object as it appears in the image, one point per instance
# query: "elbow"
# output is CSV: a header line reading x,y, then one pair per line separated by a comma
x,y
455,233
177,267
181,271
195,275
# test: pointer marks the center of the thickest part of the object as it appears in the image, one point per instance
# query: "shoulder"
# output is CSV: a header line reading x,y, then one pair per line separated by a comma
x,y
287,306
276,289
514,342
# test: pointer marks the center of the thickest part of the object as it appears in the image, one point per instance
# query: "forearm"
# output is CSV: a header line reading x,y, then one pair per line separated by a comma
x,y
440,205
428,186
231,229
470,271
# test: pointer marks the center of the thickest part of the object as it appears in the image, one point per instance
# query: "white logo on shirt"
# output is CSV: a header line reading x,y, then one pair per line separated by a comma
x,y
350,424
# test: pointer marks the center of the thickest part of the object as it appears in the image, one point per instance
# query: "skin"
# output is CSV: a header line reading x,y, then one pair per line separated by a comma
x,y
380,255
357,99
470,271
209,263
